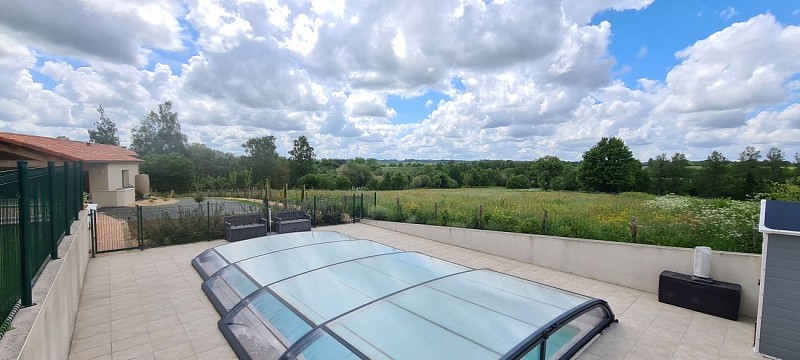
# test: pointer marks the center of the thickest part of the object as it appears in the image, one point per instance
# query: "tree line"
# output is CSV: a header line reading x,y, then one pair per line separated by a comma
x,y
609,166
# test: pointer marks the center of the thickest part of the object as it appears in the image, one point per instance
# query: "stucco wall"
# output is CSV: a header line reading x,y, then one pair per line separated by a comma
x,y
114,173
44,331
98,176
631,265
122,197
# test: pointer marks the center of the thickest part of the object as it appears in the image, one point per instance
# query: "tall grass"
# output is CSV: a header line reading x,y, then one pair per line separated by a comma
x,y
670,220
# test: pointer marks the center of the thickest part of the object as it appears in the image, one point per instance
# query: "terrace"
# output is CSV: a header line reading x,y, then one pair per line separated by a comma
x,y
148,304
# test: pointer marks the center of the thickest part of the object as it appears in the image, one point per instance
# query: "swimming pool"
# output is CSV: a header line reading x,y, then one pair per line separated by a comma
x,y
343,299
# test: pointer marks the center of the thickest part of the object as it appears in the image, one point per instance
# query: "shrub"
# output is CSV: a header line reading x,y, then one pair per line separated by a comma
x,y
518,182
190,224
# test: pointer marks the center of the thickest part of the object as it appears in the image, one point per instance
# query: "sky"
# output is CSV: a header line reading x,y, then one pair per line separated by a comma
x,y
413,79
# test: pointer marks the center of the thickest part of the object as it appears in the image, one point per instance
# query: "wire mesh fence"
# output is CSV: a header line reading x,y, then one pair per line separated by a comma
x,y
37,206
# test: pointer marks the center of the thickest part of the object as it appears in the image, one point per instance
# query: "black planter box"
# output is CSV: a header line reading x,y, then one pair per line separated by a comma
x,y
718,298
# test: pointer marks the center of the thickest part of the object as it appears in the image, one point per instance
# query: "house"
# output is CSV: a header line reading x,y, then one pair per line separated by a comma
x,y
109,170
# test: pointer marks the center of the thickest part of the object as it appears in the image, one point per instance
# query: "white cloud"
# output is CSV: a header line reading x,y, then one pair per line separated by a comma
x,y
728,13
109,30
535,75
745,65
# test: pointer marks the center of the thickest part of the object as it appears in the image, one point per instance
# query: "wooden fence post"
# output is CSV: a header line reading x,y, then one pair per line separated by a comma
x,y
480,216
634,228
436,210
544,221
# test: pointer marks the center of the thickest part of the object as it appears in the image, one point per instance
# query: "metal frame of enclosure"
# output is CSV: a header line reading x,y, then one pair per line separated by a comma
x,y
309,296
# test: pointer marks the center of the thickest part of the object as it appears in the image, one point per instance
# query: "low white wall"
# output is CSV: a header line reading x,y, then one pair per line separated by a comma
x,y
635,266
44,331
123,197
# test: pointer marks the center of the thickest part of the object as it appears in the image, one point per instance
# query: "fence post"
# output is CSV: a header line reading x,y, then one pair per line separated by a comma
x,y
24,216
375,199
208,220
361,209
93,235
353,214
544,221
51,174
398,206
436,210
140,226
634,228
67,209
480,216
79,189
314,217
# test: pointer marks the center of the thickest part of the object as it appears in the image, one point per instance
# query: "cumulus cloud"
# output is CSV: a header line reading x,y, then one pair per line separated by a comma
x,y
117,31
745,65
520,79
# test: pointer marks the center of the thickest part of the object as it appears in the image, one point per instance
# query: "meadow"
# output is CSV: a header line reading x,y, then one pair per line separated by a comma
x,y
670,220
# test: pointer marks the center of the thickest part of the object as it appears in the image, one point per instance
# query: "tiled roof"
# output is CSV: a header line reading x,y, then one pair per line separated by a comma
x,y
70,149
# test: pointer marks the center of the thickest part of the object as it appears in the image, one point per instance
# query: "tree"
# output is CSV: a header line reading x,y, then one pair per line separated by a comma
x,y
518,182
657,171
301,158
358,173
545,170
168,172
713,181
106,132
262,159
608,166
159,133
210,162
747,179
774,166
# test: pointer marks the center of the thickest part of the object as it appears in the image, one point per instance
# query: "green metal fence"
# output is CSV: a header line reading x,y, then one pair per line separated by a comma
x,y
37,206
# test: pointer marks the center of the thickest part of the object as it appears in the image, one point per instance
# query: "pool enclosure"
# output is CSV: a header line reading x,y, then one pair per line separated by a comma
x,y
214,259
358,299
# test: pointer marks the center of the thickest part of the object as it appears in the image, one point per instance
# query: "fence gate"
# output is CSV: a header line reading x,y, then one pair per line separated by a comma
x,y
116,229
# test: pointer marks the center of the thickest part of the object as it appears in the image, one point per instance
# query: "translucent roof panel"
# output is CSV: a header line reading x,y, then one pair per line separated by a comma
x,y
320,295
214,259
357,282
397,305
230,285
479,315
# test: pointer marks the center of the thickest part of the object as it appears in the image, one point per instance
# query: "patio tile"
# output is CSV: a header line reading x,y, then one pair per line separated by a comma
x,y
175,352
91,353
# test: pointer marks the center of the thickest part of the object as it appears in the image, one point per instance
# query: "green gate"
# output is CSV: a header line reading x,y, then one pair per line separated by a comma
x,y
116,229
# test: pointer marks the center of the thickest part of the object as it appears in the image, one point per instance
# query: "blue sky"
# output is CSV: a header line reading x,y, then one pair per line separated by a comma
x,y
450,79
645,41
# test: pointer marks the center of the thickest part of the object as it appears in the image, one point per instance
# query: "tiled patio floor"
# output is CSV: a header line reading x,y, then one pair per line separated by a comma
x,y
148,305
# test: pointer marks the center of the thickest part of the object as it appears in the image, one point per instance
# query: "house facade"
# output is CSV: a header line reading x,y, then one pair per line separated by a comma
x,y
109,171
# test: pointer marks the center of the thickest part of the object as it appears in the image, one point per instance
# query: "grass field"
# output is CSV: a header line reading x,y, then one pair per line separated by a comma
x,y
668,220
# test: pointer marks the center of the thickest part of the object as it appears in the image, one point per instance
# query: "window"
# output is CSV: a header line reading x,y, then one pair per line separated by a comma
x,y
126,180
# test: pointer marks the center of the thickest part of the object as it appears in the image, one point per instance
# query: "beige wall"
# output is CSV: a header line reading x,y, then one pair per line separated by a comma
x,y
109,176
44,331
106,183
631,265
114,172
98,176
122,197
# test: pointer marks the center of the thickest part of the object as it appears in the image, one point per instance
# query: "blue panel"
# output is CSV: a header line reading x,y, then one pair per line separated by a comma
x,y
782,215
